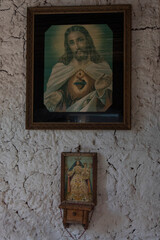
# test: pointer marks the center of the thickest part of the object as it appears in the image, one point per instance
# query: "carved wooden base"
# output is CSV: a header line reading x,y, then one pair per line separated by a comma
x,y
76,213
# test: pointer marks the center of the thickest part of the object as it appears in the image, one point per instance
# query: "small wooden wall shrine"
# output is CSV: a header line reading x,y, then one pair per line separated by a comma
x,y
78,187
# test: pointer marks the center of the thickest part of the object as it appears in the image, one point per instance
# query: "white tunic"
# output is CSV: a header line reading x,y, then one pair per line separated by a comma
x,y
100,72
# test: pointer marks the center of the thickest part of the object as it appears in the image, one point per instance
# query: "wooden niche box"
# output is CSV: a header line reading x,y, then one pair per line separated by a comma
x,y
78,187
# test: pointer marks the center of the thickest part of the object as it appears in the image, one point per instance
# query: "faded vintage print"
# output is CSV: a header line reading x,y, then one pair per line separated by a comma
x,y
79,178
78,68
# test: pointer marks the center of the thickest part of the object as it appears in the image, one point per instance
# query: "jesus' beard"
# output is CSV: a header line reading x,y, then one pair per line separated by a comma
x,y
82,57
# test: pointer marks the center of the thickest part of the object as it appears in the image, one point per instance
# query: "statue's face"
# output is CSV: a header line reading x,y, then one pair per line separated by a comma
x,y
78,45
77,163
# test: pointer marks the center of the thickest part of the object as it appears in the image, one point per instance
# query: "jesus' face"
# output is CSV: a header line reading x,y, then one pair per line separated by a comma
x,y
78,45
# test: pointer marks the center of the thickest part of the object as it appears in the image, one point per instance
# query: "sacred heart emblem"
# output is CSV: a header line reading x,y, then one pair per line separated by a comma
x,y
80,80
80,85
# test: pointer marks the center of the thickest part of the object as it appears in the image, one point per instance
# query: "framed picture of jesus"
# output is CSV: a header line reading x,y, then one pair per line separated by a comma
x,y
78,67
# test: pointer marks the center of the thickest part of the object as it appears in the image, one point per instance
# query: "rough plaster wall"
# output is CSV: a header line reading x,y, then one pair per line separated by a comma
x,y
128,161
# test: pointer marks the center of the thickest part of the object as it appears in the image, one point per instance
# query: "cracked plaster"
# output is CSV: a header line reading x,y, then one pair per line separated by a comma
x,y
128,161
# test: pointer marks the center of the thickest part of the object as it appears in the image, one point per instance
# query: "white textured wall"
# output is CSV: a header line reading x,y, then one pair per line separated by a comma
x,y
128,161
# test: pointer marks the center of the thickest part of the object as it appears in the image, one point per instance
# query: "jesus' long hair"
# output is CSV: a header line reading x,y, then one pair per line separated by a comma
x,y
68,55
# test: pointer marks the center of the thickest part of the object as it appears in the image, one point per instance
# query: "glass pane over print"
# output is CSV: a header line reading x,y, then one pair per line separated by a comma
x,y
78,68
79,178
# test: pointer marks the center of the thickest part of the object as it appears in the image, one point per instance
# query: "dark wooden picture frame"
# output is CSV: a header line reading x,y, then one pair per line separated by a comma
x,y
118,114
78,187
